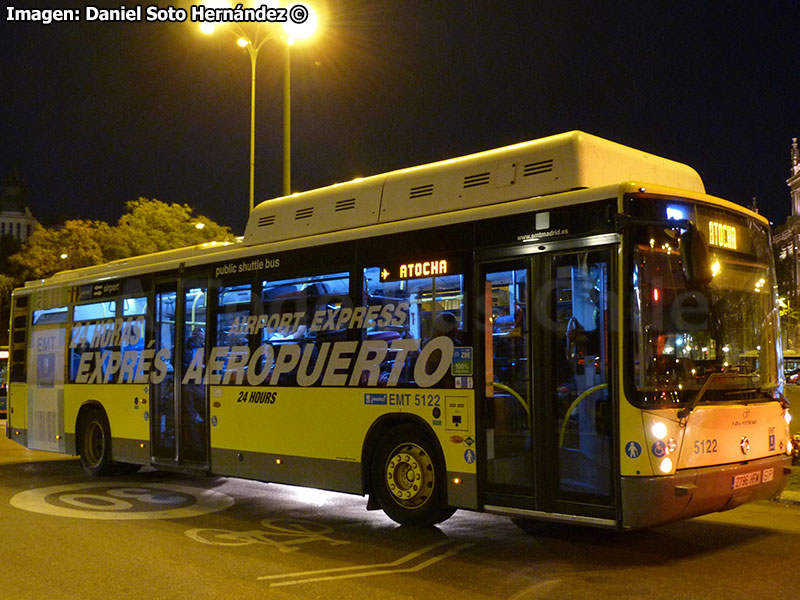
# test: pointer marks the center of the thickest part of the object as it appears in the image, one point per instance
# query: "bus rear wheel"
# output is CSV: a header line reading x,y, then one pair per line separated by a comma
x,y
408,478
95,443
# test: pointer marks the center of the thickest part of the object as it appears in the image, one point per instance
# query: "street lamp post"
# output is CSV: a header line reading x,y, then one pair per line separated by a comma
x,y
253,52
287,118
291,32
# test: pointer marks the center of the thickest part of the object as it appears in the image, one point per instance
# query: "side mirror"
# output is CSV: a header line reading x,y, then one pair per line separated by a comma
x,y
696,258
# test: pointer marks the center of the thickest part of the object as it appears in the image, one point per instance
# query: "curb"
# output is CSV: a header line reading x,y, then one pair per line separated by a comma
x,y
789,497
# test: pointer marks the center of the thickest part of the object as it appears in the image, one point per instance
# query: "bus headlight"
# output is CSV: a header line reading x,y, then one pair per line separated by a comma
x,y
787,416
659,430
664,436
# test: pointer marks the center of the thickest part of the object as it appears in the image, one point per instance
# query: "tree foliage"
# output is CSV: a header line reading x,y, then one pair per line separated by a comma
x,y
147,226
153,226
49,250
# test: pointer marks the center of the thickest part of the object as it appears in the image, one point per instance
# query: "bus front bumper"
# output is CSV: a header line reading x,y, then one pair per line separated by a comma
x,y
649,501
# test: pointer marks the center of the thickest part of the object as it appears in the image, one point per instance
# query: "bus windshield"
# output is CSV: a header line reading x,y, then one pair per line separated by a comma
x,y
683,332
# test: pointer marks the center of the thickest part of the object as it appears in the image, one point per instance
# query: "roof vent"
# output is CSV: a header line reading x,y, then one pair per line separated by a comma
x,y
420,191
267,220
348,204
476,180
304,213
537,168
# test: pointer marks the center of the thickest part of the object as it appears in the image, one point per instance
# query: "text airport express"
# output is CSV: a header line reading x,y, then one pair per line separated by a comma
x,y
112,332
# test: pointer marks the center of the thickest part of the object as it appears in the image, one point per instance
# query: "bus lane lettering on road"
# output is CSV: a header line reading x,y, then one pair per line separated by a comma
x,y
282,534
285,535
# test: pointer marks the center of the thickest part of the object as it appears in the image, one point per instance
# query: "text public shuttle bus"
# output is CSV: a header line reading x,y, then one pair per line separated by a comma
x,y
565,329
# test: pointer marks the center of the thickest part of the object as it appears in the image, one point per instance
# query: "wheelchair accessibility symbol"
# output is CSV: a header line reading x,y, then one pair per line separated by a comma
x,y
659,449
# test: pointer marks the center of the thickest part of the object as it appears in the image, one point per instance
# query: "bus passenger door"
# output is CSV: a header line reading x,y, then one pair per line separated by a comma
x,y
508,412
576,388
193,411
162,394
179,427
547,405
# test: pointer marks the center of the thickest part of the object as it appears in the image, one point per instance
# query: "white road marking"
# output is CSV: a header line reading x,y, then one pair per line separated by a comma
x,y
389,568
283,534
117,500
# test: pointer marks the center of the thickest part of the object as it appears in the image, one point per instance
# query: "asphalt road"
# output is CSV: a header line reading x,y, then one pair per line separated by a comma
x,y
160,536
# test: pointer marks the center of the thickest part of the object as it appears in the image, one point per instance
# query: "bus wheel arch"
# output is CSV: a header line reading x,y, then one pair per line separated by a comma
x,y
93,440
404,471
93,443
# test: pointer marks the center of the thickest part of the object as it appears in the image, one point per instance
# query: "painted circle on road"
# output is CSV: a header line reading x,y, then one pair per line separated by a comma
x,y
117,500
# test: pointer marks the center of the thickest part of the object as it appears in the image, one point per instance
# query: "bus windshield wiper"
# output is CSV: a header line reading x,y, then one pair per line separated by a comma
x,y
713,380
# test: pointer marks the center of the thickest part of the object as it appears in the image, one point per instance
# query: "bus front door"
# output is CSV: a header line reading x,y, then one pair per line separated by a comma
x,y
508,411
547,412
179,423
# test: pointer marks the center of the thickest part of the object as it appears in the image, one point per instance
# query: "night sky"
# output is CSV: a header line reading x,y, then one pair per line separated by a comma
x,y
95,114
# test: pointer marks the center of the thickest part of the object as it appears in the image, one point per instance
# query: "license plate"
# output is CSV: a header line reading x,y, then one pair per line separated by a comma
x,y
746,480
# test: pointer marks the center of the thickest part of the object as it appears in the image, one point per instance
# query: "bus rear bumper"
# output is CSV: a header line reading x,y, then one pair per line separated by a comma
x,y
649,501
17,435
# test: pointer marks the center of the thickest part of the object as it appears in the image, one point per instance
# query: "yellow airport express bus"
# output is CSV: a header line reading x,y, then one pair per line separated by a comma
x,y
547,330
3,380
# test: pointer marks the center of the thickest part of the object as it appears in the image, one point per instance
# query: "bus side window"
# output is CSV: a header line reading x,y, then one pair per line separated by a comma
x,y
291,306
233,320
92,331
233,312
307,311
134,311
420,309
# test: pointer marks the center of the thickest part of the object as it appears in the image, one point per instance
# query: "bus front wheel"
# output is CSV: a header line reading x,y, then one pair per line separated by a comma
x,y
408,478
95,444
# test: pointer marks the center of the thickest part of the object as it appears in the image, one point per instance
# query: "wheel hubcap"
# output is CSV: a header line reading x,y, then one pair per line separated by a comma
x,y
409,475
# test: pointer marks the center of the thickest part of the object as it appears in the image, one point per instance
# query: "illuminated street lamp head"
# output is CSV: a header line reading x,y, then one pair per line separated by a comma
x,y
243,42
209,27
300,30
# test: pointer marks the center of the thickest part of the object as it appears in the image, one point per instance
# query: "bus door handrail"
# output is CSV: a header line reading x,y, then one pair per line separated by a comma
x,y
572,408
516,395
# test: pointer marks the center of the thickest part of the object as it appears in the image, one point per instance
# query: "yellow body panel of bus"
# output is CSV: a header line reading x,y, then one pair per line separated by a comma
x,y
332,423
17,406
125,404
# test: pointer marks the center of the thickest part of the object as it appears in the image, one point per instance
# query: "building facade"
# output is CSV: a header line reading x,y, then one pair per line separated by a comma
x,y
786,244
16,218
